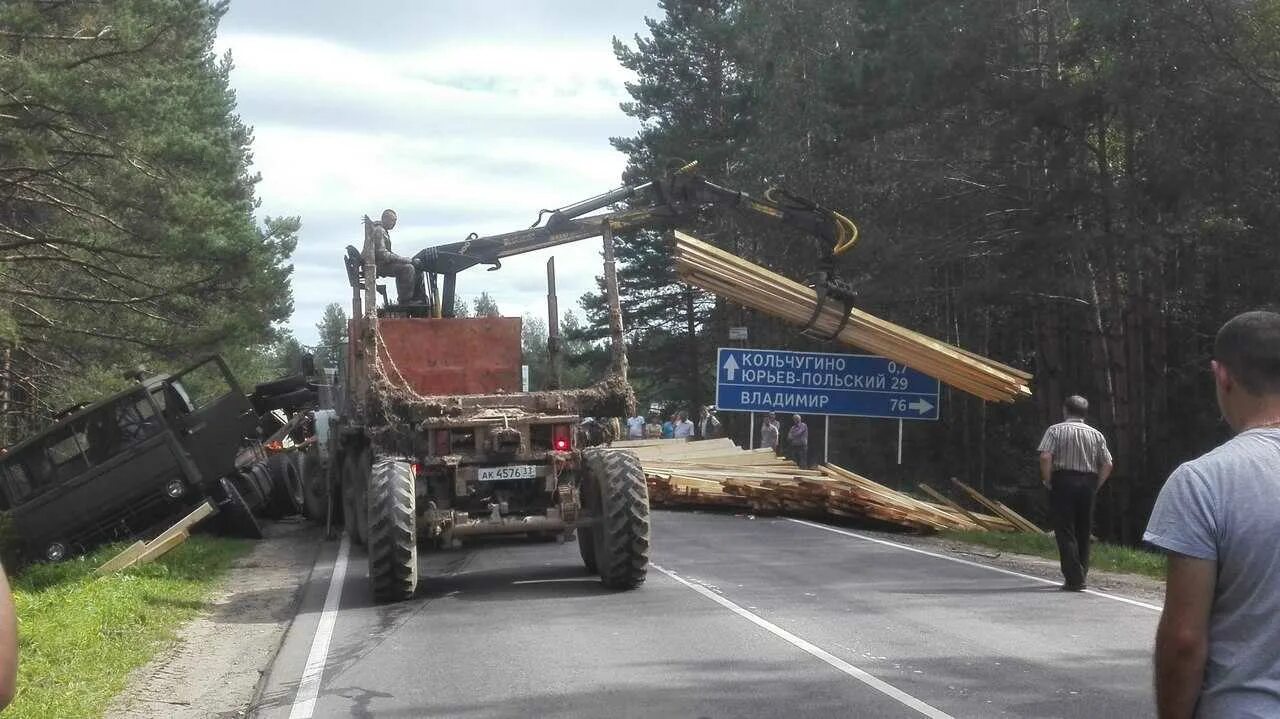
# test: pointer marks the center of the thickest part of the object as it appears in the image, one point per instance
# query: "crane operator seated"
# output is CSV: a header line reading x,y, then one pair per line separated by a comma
x,y
389,263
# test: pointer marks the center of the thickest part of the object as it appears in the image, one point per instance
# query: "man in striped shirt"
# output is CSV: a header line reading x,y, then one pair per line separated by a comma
x,y
1074,464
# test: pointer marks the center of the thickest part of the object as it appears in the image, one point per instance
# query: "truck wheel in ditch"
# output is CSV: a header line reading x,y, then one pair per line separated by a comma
x,y
620,504
238,520
286,487
393,530
315,486
354,517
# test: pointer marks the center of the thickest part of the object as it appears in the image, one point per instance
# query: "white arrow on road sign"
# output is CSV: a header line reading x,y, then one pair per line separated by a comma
x,y
920,405
730,367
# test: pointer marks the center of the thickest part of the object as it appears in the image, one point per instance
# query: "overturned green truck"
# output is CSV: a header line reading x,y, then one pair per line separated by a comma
x,y
123,466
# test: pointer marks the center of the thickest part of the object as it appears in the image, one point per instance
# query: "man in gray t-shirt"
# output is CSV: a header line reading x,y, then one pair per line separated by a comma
x,y
1218,517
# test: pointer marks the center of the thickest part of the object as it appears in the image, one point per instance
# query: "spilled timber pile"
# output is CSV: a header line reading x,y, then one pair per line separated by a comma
x,y
753,286
718,473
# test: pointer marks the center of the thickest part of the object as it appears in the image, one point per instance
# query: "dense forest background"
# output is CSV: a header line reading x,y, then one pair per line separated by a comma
x,y
1084,189
127,209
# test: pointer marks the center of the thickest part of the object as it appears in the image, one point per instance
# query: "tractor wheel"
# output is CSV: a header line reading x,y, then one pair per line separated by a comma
x,y
238,520
587,548
315,486
286,487
256,488
393,530
354,517
620,505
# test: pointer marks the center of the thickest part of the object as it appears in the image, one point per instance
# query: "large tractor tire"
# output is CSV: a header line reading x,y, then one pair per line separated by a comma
x,y
255,486
393,530
286,487
315,486
587,548
355,516
619,501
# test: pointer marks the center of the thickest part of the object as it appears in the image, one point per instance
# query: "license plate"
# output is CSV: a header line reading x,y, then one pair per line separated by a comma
x,y
498,474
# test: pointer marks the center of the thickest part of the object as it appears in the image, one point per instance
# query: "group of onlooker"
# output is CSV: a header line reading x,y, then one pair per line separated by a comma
x,y
677,426
797,449
708,426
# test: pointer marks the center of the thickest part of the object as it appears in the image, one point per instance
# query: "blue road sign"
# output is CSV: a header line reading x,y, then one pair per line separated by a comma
x,y
752,380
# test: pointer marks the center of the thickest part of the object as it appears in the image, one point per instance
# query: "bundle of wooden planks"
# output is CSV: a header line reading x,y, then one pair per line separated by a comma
x,y
751,285
718,473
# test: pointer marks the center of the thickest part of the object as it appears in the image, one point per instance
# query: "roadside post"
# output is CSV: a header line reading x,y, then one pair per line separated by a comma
x,y
739,334
826,438
841,385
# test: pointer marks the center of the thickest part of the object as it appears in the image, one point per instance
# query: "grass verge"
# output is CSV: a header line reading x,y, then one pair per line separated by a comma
x,y
1107,557
80,636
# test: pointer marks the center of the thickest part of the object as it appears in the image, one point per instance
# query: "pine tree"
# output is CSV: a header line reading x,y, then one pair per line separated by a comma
x,y
486,306
126,197
692,104
332,330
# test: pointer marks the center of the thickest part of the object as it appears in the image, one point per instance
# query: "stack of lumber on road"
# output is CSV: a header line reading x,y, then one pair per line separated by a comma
x,y
753,286
718,473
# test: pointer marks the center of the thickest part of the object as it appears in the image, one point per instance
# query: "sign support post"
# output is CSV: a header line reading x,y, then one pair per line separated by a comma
x,y
899,442
826,438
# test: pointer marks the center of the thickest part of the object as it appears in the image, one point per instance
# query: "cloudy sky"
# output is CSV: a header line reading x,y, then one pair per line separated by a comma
x,y
464,116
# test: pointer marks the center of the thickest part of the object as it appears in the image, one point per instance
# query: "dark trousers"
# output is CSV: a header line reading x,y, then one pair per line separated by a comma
x,y
1071,496
800,455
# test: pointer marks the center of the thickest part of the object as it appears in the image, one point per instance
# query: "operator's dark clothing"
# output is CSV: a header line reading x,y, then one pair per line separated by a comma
x,y
392,265
1071,496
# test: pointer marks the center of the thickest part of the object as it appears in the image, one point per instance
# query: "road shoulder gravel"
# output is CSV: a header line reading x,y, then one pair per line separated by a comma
x,y
214,668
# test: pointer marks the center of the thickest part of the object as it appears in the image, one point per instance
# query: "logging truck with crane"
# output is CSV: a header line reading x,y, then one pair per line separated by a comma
x,y
432,439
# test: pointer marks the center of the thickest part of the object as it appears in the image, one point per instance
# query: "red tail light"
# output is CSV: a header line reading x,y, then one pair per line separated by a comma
x,y
442,442
561,438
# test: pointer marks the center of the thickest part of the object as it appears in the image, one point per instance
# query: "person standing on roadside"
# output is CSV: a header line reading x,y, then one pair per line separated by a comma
x,y
1074,464
1217,650
798,441
769,432
635,427
709,426
683,428
652,428
669,427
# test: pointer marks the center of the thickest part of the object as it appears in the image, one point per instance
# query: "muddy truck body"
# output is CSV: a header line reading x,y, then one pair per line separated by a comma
x,y
433,442
122,466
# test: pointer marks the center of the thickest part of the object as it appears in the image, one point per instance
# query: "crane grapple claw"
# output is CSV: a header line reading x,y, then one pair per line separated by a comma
x,y
835,290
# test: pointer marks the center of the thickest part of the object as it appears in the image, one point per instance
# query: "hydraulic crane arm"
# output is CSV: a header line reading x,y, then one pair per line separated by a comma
x,y
664,202
669,200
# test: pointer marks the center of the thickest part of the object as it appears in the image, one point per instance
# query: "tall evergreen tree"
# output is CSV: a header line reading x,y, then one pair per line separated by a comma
x,y
126,200
486,306
692,104
332,330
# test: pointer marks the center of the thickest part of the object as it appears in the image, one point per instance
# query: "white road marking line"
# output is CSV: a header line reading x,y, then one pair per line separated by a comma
x,y
552,581
957,560
878,684
304,704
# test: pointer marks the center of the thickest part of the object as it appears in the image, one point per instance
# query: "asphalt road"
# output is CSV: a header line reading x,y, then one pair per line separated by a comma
x,y
738,618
